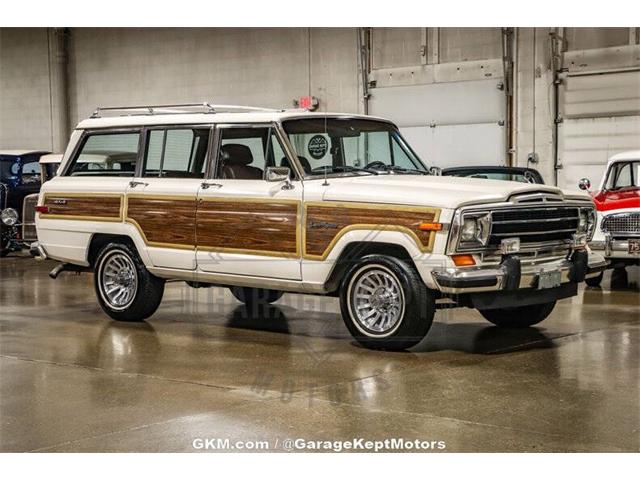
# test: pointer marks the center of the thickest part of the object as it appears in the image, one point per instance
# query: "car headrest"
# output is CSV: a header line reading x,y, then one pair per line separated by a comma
x,y
236,154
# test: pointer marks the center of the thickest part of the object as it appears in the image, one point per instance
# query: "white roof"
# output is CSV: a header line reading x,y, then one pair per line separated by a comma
x,y
20,153
630,155
209,118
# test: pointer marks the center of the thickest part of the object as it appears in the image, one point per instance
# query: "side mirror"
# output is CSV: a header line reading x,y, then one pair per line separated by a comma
x,y
584,184
437,171
280,174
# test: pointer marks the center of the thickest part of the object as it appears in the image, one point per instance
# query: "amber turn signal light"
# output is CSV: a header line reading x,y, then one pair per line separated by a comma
x,y
463,260
42,208
430,227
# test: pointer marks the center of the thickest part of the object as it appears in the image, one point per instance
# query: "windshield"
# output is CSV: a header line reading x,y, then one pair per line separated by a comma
x,y
350,147
623,175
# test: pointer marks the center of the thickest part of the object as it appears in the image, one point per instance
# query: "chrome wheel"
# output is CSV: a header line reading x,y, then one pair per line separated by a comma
x,y
118,280
376,300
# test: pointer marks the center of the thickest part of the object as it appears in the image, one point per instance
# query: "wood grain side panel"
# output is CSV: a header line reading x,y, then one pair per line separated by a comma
x,y
83,206
326,223
252,227
164,221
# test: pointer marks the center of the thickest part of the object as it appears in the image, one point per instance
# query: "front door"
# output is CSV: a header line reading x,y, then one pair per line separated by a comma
x,y
161,201
246,225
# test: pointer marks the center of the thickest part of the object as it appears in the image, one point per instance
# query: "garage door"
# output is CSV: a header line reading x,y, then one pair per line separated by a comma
x,y
601,117
448,124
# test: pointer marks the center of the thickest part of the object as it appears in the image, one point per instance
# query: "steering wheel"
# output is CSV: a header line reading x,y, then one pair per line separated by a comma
x,y
377,165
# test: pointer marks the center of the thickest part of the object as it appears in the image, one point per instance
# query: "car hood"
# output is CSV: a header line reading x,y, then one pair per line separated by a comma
x,y
433,191
617,199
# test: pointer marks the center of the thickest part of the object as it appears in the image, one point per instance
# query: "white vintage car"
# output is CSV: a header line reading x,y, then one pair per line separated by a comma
x,y
617,200
272,201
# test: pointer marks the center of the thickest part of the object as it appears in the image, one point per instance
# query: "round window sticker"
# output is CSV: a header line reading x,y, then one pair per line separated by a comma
x,y
318,146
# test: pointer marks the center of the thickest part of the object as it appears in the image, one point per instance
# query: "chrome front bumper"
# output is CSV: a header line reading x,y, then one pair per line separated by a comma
x,y
615,248
512,276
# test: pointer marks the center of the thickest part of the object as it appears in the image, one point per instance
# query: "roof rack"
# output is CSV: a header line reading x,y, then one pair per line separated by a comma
x,y
178,108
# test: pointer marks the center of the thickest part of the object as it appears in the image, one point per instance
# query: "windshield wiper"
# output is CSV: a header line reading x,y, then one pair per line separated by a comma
x,y
395,168
345,168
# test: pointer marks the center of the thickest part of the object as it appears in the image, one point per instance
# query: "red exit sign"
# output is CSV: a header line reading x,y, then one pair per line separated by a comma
x,y
308,102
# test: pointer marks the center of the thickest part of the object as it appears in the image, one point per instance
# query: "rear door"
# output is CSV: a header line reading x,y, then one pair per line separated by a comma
x,y
89,192
246,225
161,200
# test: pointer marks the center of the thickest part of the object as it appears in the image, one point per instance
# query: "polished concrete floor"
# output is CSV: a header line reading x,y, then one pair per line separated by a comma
x,y
204,367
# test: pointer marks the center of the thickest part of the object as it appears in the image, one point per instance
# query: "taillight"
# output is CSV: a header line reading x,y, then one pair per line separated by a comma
x,y
42,208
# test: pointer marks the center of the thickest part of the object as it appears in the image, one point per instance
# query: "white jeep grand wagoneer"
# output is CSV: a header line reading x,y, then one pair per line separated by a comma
x,y
269,201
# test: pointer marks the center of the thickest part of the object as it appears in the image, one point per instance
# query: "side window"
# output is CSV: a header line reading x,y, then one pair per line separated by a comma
x,y
243,153
176,153
106,155
624,176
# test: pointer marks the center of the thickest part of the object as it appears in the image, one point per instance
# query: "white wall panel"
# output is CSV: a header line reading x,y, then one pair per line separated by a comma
x,y
587,144
601,95
601,117
477,101
448,124
458,145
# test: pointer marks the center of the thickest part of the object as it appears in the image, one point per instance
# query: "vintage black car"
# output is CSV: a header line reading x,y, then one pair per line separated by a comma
x,y
20,176
514,174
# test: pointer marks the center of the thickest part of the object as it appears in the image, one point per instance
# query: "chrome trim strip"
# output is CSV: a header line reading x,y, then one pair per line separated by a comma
x,y
224,279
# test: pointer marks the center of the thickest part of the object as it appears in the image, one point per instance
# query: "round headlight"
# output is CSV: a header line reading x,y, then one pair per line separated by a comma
x,y
9,216
469,231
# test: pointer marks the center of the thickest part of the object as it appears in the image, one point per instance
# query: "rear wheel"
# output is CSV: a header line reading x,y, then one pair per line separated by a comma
x,y
519,317
255,296
594,281
385,304
125,289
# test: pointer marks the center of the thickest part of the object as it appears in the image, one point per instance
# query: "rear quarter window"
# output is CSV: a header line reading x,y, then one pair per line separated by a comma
x,y
108,154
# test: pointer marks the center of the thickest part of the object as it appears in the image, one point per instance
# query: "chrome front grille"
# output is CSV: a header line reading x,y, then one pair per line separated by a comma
x,y
621,223
29,217
535,225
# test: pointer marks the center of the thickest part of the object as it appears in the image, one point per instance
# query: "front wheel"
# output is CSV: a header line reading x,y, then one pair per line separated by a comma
x,y
385,304
126,290
519,317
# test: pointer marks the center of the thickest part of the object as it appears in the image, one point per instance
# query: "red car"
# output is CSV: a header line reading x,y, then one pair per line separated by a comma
x,y
618,202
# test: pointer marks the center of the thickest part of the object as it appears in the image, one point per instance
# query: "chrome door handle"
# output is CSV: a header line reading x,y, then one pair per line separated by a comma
x,y
134,183
205,185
